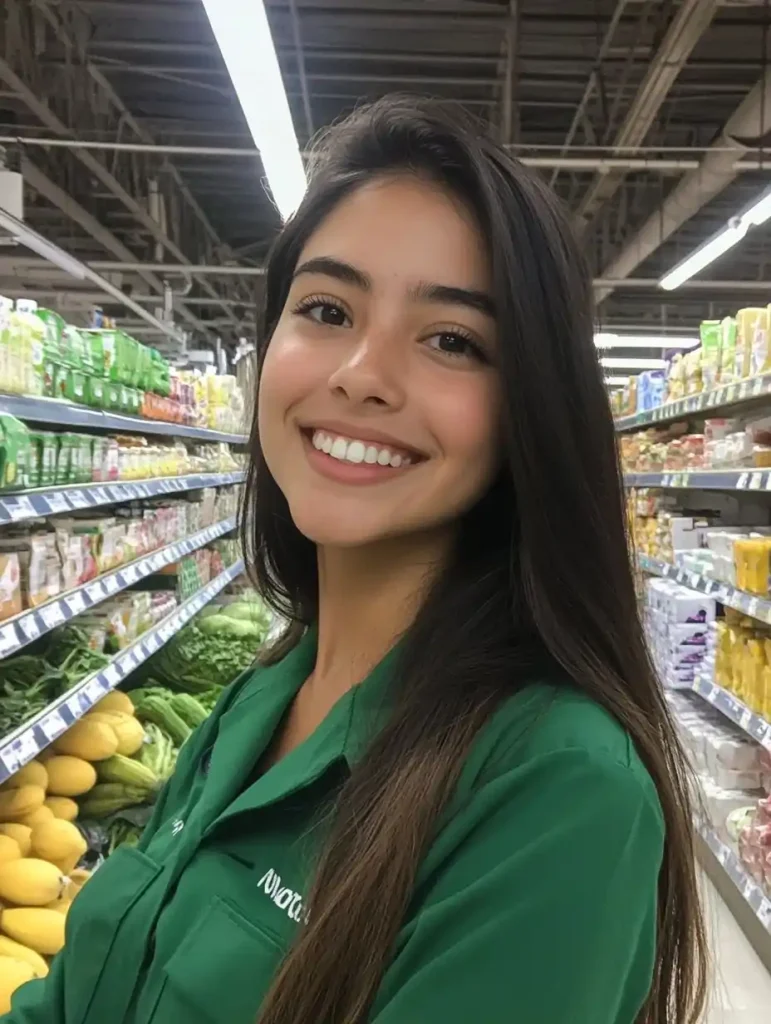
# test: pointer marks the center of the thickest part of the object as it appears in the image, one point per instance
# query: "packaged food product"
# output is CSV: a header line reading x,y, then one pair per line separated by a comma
x,y
692,372
710,334
676,378
94,391
10,585
39,565
14,448
747,321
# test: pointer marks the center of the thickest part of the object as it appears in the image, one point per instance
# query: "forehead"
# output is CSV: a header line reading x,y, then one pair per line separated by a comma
x,y
404,229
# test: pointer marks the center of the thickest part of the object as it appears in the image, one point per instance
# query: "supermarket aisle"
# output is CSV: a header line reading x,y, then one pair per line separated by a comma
x,y
741,991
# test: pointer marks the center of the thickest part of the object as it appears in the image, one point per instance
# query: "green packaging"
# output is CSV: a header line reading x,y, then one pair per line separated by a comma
x,y
14,452
134,401
711,338
95,391
85,466
728,350
54,326
75,386
49,446
112,397
60,372
65,460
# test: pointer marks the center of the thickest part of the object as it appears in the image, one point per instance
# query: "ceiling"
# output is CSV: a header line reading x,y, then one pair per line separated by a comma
x,y
567,84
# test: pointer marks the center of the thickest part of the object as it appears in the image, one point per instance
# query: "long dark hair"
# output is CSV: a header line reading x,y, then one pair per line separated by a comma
x,y
541,576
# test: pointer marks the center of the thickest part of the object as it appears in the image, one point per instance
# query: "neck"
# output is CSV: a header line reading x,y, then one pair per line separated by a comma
x,y
369,597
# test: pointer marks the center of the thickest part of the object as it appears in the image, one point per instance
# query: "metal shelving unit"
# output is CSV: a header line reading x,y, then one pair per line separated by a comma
x,y
28,740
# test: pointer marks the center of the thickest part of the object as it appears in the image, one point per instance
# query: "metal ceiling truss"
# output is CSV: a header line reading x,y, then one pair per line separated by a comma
x,y
78,94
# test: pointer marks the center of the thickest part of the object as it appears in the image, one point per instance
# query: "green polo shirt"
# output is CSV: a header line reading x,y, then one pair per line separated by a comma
x,y
536,903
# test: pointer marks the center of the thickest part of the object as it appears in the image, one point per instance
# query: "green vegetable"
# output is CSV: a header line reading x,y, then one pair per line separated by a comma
x,y
153,708
194,660
189,709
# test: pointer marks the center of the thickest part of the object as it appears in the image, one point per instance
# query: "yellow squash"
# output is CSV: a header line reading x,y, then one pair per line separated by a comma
x,y
16,951
13,974
70,776
31,882
62,807
32,774
41,814
20,833
16,804
60,843
9,849
93,741
36,927
116,701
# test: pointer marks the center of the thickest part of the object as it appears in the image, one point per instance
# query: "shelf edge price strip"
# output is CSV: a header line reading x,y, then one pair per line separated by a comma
x,y
55,500
28,740
23,629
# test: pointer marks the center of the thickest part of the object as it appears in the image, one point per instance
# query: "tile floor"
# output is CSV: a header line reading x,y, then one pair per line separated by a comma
x,y
741,986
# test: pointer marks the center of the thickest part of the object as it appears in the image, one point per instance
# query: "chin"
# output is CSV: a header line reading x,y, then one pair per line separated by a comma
x,y
342,528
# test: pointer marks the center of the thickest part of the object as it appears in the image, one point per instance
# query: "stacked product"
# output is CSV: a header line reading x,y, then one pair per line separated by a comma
x,y
735,778
737,443
43,558
730,350
677,623
104,368
743,660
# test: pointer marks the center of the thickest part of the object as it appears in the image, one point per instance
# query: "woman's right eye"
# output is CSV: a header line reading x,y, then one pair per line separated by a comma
x,y
326,313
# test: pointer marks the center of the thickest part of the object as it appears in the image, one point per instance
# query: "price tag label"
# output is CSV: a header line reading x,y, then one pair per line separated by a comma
x,y
756,481
73,706
165,632
95,592
76,603
100,495
111,584
78,499
111,675
732,392
95,691
129,659
53,725
57,503
10,758
19,508
29,627
143,491
27,746
764,914
745,718
129,574
757,385
752,607
9,641
741,483
158,561
151,643
744,387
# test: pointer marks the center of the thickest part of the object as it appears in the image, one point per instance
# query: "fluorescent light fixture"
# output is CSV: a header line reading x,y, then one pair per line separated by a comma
x,y
32,240
616,382
622,363
243,36
607,339
726,239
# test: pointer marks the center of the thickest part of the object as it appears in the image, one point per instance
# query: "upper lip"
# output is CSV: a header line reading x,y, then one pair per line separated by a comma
x,y
362,434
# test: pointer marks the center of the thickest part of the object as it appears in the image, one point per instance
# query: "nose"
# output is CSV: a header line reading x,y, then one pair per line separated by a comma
x,y
371,372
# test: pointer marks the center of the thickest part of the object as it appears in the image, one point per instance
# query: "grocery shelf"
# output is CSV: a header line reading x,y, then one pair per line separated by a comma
x,y
68,415
63,499
704,479
729,705
750,891
748,604
708,401
22,629
28,740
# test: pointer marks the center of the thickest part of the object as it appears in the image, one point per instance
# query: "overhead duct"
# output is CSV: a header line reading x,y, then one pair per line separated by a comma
x,y
750,120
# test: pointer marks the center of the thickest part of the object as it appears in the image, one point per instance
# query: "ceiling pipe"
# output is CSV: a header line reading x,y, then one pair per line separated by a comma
x,y
718,168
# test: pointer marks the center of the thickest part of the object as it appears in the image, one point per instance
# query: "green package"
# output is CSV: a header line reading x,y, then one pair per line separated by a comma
x,y
711,339
135,401
65,459
85,467
60,372
49,446
727,350
75,386
112,397
94,391
14,452
54,325
96,346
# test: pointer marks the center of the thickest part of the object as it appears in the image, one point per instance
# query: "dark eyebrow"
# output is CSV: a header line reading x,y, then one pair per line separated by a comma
x,y
338,269
469,297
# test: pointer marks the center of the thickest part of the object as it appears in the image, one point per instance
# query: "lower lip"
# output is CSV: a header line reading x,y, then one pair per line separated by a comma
x,y
344,472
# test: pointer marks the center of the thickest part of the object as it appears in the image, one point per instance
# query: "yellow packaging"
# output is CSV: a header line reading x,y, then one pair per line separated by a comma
x,y
676,378
692,367
747,321
727,350
755,663
758,340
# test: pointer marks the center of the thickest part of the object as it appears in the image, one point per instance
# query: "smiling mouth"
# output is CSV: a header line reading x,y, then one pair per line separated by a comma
x,y
354,451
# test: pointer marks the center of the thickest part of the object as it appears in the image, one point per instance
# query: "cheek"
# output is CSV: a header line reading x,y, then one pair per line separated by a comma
x,y
467,425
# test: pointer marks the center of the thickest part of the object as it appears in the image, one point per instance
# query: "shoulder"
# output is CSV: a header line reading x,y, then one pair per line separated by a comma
x,y
553,744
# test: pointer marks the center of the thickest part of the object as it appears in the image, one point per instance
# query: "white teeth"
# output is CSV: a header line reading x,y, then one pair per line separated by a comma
x,y
339,448
356,452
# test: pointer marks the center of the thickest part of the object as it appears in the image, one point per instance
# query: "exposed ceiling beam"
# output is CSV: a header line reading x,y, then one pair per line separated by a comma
x,y
717,169
689,23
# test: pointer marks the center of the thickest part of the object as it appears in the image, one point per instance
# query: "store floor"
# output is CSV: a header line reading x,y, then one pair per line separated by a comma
x,y
741,989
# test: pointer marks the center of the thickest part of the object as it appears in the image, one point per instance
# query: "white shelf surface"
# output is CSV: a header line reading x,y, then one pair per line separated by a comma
x,y
48,501
28,740
22,629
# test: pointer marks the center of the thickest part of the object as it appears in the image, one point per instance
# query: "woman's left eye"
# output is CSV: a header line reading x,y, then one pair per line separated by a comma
x,y
451,343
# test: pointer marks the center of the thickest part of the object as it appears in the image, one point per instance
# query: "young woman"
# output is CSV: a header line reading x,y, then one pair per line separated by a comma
x,y
455,793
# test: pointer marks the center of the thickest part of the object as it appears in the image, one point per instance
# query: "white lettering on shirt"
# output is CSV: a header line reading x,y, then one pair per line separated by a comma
x,y
286,899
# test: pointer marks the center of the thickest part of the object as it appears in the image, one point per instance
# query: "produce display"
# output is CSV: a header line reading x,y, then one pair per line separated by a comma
x,y
105,368
730,350
41,559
